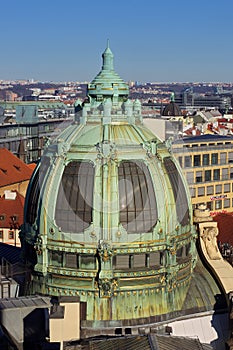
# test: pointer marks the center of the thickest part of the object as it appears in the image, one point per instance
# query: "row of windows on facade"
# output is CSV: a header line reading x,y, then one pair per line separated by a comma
x,y
209,175
132,261
211,190
206,159
137,200
219,204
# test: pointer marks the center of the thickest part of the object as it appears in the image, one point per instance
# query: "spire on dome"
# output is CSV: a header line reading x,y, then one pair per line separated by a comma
x,y
108,84
107,58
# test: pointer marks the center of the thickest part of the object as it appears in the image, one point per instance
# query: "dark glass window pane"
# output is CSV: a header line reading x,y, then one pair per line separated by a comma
x,y
216,174
35,189
71,260
206,159
179,252
139,260
214,158
121,261
182,209
187,249
87,262
155,259
187,161
75,197
138,207
207,175
197,160
56,258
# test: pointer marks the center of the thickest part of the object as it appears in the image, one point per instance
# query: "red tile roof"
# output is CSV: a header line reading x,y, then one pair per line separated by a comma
x,y
225,226
12,169
9,208
32,166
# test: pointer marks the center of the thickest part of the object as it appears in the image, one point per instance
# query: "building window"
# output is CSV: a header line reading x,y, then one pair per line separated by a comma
x,y
187,161
179,191
227,203
35,187
179,252
231,173
137,202
218,205
209,190
230,157
87,262
207,175
75,197
155,259
1,234
205,159
218,189
223,158
180,159
210,205
71,260
192,191
187,249
121,262
197,160
226,188
225,174
139,260
190,177
56,258
216,174
201,191
199,176
214,158
11,234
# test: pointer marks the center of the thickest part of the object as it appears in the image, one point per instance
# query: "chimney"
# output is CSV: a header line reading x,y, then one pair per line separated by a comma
x,y
10,195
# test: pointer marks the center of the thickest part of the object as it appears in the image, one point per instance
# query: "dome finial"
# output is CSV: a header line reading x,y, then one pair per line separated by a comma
x,y
108,58
172,97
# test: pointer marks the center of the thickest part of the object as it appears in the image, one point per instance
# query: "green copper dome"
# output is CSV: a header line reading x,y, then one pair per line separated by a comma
x,y
108,217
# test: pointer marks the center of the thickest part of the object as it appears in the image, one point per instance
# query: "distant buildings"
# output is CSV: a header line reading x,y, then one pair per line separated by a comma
x,y
188,98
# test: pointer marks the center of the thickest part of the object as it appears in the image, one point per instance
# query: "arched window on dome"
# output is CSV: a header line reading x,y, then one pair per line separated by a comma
x,y
34,190
137,202
182,208
75,197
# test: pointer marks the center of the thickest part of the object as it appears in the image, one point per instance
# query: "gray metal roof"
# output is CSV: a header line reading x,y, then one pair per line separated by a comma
x,y
145,342
204,138
10,253
22,302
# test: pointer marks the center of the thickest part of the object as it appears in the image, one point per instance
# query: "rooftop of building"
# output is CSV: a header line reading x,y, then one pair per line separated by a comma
x,y
225,227
11,209
10,253
12,169
205,138
147,342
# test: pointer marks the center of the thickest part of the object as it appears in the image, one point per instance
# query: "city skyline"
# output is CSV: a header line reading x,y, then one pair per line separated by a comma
x,y
151,41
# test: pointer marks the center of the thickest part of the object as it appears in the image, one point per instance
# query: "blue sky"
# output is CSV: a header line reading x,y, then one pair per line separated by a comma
x,y
152,40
